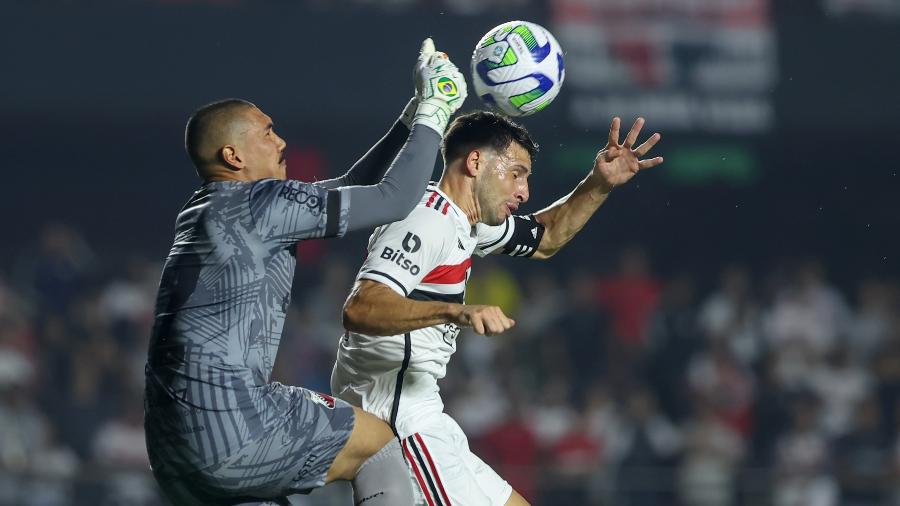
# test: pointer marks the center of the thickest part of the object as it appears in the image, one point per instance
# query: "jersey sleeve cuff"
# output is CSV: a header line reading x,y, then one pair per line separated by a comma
x,y
385,279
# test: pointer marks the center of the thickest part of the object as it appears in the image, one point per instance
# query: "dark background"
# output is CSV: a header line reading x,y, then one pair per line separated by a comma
x,y
93,100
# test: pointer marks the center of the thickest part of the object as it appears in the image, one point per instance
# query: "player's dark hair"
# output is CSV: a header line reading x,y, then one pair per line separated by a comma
x,y
484,129
205,121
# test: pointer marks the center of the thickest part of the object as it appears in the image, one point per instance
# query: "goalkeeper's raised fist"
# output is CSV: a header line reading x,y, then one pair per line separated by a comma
x,y
440,88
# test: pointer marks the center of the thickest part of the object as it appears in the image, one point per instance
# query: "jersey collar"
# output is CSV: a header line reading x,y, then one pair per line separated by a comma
x,y
458,214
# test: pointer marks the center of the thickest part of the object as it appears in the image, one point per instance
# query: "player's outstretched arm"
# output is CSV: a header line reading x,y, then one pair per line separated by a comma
x,y
374,309
614,166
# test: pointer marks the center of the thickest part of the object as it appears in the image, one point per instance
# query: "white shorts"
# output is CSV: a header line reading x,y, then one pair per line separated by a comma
x,y
446,471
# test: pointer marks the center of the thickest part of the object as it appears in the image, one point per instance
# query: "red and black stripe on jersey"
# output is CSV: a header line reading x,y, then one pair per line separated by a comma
x,y
444,275
437,202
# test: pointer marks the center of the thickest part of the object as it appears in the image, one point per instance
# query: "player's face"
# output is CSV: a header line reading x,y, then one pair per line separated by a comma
x,y
504,184
262,150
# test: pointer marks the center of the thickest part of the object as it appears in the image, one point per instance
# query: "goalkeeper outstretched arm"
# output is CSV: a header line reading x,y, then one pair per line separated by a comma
x,y
371,167
440,91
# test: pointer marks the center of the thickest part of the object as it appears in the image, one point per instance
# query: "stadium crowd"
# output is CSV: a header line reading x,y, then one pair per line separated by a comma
x,y
616,386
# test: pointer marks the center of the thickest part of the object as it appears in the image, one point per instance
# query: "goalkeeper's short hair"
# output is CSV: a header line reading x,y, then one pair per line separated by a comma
x,y
206,125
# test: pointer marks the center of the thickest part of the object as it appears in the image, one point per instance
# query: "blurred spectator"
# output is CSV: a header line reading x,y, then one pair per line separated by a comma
x,y
630,295
572,462
543,303
718,377
553,415
59,268
886,365
803,460
650,445
708,471
120,455
480,404
809,312
674,338
605,426
128,302
771,413
584,332
40,466
877,304
842,383
510,445
733,315
864,457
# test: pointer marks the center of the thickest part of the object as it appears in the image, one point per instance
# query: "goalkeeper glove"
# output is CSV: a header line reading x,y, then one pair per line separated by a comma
x,y
440,90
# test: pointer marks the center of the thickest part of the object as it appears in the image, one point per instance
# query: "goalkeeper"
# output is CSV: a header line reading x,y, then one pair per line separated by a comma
x,y
218,431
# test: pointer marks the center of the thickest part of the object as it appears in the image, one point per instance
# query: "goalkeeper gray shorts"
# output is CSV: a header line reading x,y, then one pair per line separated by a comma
x,y
292,458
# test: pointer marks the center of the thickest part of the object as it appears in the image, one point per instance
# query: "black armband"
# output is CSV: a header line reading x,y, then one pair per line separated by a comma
x,y
526,237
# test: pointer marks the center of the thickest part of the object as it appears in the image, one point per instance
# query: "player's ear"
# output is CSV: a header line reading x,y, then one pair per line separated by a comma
x,y
230,157
473,162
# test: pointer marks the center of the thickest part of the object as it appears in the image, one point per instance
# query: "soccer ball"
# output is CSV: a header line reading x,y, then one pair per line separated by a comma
x,y
517,68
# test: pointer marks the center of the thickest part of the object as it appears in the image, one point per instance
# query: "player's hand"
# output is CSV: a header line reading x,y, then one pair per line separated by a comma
x,y
484,320
440,88
617,163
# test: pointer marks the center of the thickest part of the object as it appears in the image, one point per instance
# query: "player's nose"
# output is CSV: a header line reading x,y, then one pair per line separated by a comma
x,y
522,194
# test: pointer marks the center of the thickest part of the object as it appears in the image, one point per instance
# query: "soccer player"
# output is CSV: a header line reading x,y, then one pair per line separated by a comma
x,y
218,431
406,308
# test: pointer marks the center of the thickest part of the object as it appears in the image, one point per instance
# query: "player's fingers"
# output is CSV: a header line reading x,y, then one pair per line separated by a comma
x,y
614,132
505,323
632,136
478,325
493,320
491,326
427,47
653,162
647,145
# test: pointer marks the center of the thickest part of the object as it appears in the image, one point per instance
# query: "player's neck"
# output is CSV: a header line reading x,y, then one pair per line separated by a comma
x,y
461,191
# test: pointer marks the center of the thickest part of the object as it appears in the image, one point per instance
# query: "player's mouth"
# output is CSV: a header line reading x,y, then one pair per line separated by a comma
x,y
512,208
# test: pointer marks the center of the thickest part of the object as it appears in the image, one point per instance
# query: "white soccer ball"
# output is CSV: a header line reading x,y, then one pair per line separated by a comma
x,y
517,68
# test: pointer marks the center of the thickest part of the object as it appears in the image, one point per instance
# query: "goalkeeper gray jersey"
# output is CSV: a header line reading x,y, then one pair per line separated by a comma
x,y
220,311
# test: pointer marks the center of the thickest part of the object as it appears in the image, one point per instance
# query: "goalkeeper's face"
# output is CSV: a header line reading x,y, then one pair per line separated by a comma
x,y
261,149
502,183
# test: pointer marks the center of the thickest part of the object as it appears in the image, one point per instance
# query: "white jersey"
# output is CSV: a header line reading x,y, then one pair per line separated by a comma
x,y
426,256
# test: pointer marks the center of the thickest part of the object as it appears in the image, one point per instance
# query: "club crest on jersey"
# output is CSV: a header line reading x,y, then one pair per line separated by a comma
x,y
450,333
325,400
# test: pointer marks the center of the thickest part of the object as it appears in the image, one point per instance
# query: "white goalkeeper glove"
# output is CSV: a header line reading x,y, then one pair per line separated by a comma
x,y
440,90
